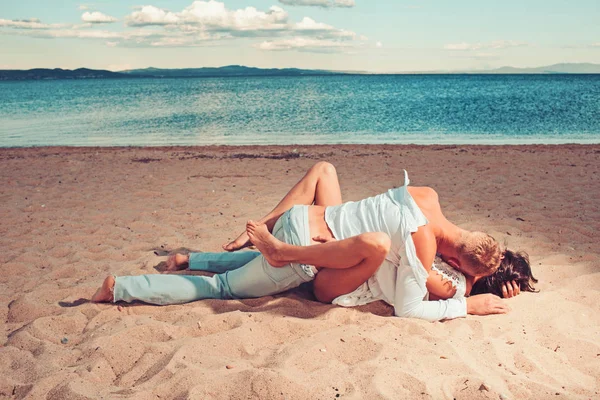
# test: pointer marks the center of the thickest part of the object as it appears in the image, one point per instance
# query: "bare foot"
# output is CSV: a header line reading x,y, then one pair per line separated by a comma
x,y
176,262
239,243
106,292
270,247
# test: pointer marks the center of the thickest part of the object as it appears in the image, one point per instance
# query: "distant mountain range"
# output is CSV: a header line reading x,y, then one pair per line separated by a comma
x,y
57,73
230,70
239,71
582,68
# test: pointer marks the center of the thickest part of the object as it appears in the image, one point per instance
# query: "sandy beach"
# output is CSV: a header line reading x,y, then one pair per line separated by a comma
x,y
72,216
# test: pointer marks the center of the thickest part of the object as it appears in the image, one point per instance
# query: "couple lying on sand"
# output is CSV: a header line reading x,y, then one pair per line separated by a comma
x,y
397,247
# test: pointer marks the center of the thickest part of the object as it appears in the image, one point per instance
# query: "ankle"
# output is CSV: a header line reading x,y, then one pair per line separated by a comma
x,y
181,259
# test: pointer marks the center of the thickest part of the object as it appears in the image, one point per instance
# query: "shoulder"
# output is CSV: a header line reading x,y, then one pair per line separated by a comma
x,y
424,195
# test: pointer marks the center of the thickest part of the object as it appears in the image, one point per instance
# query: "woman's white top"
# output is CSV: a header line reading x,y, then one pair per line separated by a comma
x,y
454,277
401,279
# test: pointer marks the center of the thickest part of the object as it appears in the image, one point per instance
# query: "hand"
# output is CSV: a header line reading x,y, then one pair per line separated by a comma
x,y
485,304
322,239
510,289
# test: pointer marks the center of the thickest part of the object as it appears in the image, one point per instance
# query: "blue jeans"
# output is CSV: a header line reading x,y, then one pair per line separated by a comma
x,y
239,275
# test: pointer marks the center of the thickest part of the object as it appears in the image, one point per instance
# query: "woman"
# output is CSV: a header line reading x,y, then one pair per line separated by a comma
x,y
344,265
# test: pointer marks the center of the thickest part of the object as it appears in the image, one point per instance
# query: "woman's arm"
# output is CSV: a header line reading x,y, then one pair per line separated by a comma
x,y
439,287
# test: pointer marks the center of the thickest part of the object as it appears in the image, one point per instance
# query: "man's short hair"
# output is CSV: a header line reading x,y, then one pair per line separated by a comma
x,y
482,252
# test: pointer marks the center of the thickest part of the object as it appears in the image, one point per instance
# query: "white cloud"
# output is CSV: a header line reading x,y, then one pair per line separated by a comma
x,y
97,17
31,23
215,15
183,41
320,3
597,44
309,27
309,24
150,15
36,24
83,7
303,44
212,15
74,33
198,24
213,20
498,44
379,45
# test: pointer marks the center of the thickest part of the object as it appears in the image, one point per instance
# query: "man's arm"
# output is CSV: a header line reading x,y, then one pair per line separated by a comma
x,y
486,304
425,245
410,292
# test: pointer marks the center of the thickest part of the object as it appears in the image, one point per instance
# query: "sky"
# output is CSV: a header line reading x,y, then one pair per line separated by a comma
x,y
348,35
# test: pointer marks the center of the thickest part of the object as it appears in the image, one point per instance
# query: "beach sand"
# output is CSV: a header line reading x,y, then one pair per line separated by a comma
x,y
71,216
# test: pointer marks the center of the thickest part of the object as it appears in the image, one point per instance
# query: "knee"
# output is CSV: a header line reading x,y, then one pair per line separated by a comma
x,y
323,297
322,293
376,243
324,168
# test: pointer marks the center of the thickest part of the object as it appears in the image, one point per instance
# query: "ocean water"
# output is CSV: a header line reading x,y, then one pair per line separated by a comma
x,y
422,109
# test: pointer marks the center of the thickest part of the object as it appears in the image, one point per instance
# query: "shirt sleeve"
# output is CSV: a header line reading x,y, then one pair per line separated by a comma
x,y
409,301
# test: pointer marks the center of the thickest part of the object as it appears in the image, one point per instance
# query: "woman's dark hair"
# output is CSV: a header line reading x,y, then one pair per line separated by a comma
x,y
514,267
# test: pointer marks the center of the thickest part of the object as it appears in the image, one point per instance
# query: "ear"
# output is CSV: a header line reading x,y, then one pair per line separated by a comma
x,y
453,262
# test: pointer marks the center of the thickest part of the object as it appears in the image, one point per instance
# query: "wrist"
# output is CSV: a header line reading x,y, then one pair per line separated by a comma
x,y
469,305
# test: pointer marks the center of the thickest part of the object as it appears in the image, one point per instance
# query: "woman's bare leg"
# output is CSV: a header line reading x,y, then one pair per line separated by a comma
x,y
346,264
320,186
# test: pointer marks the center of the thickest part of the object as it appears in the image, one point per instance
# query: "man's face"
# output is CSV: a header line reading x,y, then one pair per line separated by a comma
x,y
462,266
453,262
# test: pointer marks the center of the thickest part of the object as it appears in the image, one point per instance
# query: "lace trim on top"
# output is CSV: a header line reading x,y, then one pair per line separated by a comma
x,y
448,273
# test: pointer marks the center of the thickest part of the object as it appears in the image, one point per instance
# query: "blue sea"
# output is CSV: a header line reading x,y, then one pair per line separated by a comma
x,y
402,109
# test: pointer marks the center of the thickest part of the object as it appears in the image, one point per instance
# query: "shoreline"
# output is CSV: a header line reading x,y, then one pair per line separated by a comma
x,y
425,143
263,146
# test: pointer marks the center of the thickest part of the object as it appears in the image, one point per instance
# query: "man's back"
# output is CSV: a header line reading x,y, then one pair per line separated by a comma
x,y
428,201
